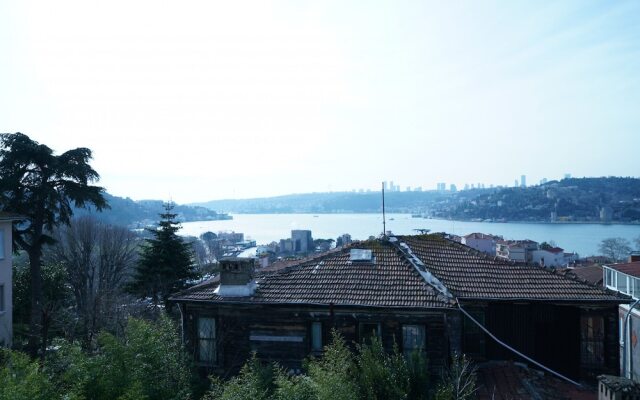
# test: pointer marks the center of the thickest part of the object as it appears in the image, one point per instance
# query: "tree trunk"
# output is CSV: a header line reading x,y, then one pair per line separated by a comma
x,y
35,319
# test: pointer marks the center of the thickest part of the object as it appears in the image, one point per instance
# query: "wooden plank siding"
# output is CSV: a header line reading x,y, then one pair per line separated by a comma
x,y
552,334
283,334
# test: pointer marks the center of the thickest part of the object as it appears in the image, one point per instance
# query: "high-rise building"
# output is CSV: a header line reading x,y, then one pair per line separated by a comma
x,y
523,180
301,241
453,188
567,176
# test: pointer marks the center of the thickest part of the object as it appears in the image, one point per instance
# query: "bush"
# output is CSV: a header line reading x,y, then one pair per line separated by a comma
x,y
148,362
254,382
333,375
22,379
458,381
381,375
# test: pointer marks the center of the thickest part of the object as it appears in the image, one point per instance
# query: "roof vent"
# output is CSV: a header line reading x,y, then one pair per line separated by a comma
x,y
361,255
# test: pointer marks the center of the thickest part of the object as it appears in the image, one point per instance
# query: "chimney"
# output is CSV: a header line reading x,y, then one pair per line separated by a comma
x,y
236,277
634,256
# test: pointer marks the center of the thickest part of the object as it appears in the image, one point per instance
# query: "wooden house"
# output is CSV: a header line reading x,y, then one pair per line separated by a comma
x,y
408,290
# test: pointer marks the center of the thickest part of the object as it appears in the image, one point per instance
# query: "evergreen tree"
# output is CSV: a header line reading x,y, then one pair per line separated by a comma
x,y
44,188
165,260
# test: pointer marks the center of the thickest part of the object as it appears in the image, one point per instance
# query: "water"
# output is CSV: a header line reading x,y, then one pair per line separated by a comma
x,y
265,228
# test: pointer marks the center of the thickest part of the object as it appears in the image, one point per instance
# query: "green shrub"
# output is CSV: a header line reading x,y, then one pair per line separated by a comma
x,y
22,379
381,375
458,381
254,382
419,376
333,375
147,363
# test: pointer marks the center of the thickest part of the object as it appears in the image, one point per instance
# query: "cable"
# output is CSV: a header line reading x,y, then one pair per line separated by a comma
x,y
514,350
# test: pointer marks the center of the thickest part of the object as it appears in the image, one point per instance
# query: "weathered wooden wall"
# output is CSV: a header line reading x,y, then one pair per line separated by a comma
x,y
283,333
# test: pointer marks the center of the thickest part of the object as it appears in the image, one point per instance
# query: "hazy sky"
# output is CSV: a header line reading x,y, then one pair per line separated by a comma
x,y
204,100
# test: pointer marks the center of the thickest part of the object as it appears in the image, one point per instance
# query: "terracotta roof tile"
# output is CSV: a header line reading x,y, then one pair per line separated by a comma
x,y
395,279
468,273
389,281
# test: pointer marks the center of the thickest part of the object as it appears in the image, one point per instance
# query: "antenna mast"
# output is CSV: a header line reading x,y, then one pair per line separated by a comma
x,y
384,219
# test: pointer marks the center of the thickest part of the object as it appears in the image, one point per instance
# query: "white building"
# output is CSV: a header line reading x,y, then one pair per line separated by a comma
x,y
516,250
553,257
626,279
482,242
6,295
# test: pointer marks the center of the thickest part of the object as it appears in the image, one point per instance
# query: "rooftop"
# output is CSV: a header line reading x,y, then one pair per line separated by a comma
x,y
630,268
408,272
470,274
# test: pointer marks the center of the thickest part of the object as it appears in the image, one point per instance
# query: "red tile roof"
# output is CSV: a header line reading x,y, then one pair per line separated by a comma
x,y
591,274
398,278
389,281
470,274
631,268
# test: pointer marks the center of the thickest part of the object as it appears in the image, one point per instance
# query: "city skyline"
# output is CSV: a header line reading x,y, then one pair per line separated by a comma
x,y
213,100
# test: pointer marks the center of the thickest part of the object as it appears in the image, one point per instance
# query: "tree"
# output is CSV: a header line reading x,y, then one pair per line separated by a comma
x,y
99,259
616,249
44,188
56,300
165,261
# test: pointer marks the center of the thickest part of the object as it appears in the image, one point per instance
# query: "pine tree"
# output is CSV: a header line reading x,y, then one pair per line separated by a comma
x,y
165,261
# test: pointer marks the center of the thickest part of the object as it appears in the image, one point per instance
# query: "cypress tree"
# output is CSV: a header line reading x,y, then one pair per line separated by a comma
x,y
165,262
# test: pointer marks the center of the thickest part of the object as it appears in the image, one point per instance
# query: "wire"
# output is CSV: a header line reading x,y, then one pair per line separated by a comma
x,y
514,350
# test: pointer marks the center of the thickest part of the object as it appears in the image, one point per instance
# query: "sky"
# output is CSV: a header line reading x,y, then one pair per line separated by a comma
x,y
201,100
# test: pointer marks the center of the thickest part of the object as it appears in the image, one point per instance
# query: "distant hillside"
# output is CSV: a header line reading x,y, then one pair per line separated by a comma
x,y
334,202
609,199
125,211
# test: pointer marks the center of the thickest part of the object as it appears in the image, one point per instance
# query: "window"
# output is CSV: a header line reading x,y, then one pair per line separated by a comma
x,y
1,298
413,338
207,340
368,330
622,283
636,287
316,336
592,340
609,278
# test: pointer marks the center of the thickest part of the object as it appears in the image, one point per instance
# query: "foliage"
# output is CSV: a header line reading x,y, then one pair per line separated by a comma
x,y
22,379
458,381
616,249
43,188
56,299
382,375
337,375
148,362
166,261
419,377
255,382
334,375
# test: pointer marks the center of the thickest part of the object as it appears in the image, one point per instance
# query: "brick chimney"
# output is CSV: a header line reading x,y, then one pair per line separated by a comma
x,y
236,277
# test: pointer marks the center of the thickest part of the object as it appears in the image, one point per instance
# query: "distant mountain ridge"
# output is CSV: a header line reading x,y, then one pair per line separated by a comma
x,y
331,202
131,213
607,199
603,199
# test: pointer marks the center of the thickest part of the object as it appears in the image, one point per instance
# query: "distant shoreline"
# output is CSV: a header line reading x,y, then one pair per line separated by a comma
x,y
441,219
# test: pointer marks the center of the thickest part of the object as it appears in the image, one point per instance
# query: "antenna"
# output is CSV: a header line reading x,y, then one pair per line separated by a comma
x,y
384,219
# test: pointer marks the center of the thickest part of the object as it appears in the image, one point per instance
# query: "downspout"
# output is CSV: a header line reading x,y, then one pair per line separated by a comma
x,y
624,339
181,323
